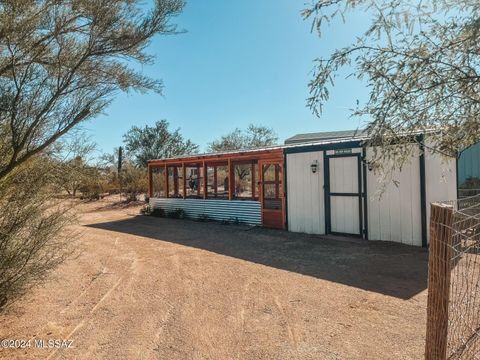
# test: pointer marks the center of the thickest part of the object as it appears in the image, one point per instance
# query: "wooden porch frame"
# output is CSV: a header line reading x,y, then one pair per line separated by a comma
x,y
204,161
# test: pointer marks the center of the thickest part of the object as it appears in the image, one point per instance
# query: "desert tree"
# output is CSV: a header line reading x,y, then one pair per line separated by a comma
x,y
420,61
132,179
61,63
255,136
74,162
156,142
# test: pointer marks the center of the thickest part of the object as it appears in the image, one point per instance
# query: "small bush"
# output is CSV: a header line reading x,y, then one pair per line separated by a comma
x,y
157,212
177,214
146,210
33,238
203,217
231,221
131,197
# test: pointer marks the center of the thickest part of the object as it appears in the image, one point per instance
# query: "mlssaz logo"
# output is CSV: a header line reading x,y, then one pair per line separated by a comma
x,y
53,344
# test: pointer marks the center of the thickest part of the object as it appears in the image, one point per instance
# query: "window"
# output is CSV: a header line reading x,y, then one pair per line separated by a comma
x,y
217,181
256,184
222,182
246,181
194,181
211,181
243,181
175,181
159,188
272,182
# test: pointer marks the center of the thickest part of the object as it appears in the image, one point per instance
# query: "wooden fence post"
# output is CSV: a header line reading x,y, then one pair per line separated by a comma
x,y
439,269
150,181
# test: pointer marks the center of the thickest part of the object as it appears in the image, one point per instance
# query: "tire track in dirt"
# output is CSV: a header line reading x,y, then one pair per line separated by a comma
x,y
87,288
290,329
251,288
87,318
84,321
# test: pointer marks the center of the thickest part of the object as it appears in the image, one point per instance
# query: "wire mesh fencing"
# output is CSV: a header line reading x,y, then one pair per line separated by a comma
x,y
453,310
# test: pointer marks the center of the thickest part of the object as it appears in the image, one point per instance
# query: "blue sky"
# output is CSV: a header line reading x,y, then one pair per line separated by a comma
x,y
239,62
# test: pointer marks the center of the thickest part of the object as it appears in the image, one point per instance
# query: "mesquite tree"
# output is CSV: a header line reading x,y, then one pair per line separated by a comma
x,y
421,62
255,136
61,63
156,142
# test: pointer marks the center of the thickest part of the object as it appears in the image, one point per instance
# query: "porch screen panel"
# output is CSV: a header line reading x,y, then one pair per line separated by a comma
x,y
159,182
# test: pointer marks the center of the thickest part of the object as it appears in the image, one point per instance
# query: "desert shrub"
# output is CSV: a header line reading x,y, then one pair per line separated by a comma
x,y
158,212
92,185
32,236
231,221
203,217
73,170
134,181
177,214
146,210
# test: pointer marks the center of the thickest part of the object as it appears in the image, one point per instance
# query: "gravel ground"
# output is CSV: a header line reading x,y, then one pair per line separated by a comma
x,y
151,288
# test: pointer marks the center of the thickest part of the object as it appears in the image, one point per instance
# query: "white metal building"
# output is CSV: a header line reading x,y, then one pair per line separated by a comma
x,y
330,189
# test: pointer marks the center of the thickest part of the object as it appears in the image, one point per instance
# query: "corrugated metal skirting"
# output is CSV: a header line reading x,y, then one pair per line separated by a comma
x,y
244,211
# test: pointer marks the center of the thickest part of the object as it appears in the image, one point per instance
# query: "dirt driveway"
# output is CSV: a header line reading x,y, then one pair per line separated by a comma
x,y
150,288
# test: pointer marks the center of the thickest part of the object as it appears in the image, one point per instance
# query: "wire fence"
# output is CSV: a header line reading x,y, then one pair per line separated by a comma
x,y
453,313
463,193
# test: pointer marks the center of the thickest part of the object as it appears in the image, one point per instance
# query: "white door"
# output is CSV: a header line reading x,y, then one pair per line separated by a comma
x,y
345,195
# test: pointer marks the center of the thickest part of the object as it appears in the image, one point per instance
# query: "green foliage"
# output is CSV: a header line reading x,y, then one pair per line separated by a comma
x,y
134,181
33,238
158,212
231,221
253,137
420,61
203,218
156,142
93,185
147,210
62,62
177,214
73,171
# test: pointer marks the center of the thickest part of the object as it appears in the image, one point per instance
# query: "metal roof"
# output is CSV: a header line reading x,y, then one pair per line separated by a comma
x,y
326,141
298,141
221,153
324,136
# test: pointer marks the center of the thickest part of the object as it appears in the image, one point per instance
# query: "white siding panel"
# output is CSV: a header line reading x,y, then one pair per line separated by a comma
x,y
345,216
440,181
344,174
305,193
394,214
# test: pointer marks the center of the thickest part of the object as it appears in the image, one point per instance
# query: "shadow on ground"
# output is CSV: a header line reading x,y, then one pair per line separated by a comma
x,y
386,268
